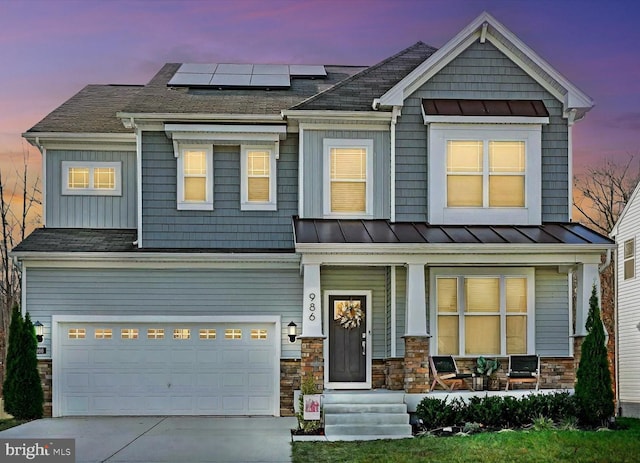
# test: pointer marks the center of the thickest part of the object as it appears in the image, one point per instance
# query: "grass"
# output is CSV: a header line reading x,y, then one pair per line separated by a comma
x,y
518,446
10,423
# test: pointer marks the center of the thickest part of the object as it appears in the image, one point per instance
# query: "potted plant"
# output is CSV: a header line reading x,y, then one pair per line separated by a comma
x,y
486,371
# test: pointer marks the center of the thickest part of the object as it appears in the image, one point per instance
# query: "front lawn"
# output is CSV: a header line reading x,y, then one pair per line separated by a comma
x,y
511,446
10,423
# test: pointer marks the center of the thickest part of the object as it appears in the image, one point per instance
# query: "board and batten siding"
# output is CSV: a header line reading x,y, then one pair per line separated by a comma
x,y
363,279
227,226
628,307
552,313
479,72
90,211
313,169
159,292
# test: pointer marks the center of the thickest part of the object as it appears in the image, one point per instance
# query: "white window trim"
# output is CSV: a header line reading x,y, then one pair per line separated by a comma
x,y
625,259
245,204
328,144
502,273
206,205
91,191
439,213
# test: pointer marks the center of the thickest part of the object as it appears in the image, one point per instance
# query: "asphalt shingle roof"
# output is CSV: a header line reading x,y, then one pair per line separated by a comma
x,y
358,92
92,110
78,240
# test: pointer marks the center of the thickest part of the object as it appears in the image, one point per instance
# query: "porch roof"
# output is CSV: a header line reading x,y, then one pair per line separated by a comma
x,y
353,231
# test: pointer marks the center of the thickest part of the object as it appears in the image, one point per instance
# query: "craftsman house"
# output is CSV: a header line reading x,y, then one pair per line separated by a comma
x,y
625,232
213,235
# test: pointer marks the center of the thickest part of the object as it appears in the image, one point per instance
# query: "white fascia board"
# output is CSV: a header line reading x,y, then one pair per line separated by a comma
x,y
130,119
574,97
484,119
629,205
338,115
278,129
156,260
93,141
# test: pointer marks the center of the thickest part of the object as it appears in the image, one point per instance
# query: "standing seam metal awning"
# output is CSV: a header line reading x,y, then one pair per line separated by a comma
x,y
353,231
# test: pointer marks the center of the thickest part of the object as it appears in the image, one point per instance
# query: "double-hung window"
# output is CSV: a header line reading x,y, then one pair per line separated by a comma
x,y
485,173
480,313
91,178
195,177
258,166
348,172
629,259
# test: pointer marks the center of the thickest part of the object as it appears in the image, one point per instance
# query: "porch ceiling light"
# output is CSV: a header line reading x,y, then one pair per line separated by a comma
x,y
292,331
39,330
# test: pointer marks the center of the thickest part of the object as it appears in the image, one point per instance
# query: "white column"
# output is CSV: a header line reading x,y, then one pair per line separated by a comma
x,y
311,302
587,275
416,319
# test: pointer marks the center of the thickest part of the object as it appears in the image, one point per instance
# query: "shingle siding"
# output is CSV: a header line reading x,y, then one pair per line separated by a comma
x,y
90,211
480,72
226,227
552,313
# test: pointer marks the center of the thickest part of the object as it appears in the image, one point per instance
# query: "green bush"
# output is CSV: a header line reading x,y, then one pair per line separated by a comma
x,y
22,388
594,394
496,411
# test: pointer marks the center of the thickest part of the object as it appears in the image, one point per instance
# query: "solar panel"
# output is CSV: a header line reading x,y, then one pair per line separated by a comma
x,y
243,75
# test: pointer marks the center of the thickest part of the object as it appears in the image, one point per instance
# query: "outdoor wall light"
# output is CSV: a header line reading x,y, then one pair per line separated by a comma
x,y
292,331
39,330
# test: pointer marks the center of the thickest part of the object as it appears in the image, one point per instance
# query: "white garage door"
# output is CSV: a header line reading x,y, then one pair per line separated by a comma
x,y
172,369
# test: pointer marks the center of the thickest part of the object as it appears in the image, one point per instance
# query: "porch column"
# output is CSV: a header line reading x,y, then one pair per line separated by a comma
x,y
311,303
416,319
416,338
312,338
587,275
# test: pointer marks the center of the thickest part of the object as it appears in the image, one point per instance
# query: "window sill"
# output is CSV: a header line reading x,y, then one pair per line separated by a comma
x,y
258,207
195,206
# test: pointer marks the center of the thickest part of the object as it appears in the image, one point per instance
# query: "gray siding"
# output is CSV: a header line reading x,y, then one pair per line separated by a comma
x,y
90,211
313,169
552,313
226,227
363,278
481,71
166,292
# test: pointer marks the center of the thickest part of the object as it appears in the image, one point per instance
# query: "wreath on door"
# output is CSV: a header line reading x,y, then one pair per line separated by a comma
x,y
351,315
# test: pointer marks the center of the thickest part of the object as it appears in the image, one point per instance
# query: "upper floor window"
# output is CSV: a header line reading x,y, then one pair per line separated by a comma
x,y
91,178
195,177
485,173
348,172
258,166
479,313
629,259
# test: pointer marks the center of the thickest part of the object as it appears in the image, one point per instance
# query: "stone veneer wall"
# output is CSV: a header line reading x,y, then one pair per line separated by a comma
x,y
312,360
416,364
289,382
46,375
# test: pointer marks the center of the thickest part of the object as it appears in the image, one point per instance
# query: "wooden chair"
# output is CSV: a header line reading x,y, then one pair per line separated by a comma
x,y
523,369
446,374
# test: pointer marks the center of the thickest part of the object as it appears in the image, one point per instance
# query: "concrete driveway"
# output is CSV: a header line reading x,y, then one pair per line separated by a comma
x,y
168,439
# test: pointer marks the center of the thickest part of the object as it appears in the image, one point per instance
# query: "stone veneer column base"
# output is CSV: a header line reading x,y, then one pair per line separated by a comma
x,y
577,350
312,360
46,376
416,364
289,382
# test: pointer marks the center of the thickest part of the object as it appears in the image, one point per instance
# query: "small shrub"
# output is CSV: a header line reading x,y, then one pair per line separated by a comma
x,y
542,423
472,428
570,423
438,413
307,387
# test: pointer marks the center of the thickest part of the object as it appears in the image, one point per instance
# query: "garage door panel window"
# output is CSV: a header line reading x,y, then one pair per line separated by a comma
x,y
182,333
258,334
105,333
129,333
155,333
232,333
207,333
483,315
77,333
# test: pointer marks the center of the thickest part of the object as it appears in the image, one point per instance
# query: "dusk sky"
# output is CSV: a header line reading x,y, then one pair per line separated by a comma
x,y
50,49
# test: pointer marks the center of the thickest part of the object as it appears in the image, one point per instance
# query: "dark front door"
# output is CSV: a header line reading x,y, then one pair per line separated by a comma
x,y
347,339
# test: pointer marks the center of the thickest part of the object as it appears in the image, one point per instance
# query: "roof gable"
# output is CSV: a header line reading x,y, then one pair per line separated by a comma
x,y
486,27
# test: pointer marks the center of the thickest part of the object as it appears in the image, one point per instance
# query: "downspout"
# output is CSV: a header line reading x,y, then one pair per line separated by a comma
x,y
138,132
394,119
571,119
43,151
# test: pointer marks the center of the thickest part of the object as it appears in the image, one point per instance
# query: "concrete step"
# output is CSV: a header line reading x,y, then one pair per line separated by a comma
x,y
334,431
369,419
359,438
363,397
364,408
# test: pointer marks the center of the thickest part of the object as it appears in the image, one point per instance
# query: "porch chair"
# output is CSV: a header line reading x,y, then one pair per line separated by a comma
x,y
446,374
523,369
